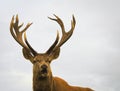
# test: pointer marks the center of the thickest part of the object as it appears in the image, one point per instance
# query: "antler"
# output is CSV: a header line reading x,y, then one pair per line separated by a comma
x,y
65,35
17,34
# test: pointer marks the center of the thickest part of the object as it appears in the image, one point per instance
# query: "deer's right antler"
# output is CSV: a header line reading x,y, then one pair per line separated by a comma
x,y
18,35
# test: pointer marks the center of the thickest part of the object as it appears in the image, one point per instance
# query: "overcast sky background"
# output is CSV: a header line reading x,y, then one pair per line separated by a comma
x,y
91,57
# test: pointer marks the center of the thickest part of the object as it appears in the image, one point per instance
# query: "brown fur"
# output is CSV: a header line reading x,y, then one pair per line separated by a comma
x,y
43,79
47,82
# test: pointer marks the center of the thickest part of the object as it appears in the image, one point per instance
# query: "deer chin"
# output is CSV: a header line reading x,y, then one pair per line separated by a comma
x,y
44,75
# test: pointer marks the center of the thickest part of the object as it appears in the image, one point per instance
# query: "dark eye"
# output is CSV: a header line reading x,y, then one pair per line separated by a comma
x,y
49,61
35,61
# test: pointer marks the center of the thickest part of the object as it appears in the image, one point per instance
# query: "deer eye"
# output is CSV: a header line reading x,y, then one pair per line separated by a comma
x,y
35,61
49,61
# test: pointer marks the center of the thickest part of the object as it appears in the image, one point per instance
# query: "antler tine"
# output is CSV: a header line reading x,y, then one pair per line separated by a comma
x,y
73,23
68,34
65,35
59,21
14,29
17,35
54,44
33,51
11,28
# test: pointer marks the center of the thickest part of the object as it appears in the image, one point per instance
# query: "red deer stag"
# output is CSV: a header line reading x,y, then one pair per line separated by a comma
x,y
43,79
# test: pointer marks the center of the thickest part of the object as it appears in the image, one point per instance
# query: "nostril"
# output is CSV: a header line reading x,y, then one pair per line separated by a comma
x,y
44,69
43,66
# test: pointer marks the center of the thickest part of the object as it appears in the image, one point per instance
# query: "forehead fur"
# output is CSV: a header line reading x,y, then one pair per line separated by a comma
x,y
41,56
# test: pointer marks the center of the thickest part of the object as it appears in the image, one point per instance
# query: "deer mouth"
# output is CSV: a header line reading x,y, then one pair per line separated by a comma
x,y
43,74
44,71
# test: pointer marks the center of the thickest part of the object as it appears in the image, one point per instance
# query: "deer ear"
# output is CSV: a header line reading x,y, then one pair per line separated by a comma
x,y
54,54
27,54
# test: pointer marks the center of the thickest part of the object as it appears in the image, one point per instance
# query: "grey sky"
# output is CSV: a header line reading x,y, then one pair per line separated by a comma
x,y
90,58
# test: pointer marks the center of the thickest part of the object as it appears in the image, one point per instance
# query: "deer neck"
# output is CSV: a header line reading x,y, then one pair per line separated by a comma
x,y
42,84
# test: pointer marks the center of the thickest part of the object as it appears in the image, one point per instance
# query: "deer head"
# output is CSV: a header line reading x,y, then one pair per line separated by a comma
x,y
41,61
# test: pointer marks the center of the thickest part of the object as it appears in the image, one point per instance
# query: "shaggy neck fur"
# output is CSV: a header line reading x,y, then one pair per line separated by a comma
x,y
42,84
